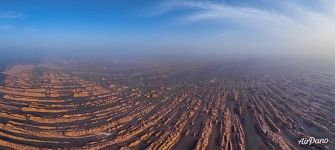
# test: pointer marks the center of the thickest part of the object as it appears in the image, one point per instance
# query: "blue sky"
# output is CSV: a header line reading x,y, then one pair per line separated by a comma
x,y
168,26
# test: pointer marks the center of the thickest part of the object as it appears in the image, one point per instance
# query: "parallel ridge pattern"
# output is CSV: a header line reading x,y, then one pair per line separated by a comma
x,y
53,108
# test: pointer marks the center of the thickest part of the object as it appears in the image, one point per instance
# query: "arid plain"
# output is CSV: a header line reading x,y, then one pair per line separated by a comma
x,y
153,106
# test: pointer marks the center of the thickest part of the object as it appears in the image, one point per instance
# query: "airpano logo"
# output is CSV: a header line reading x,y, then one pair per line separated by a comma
x,y
312,140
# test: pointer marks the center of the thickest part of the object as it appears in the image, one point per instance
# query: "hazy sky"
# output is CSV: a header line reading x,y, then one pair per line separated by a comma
x,y
168,26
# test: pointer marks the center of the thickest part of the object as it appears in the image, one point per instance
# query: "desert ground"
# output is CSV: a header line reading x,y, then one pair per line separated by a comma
x,y
221,105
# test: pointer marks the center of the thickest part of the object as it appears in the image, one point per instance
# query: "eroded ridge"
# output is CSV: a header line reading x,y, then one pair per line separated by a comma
x,y
147,107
